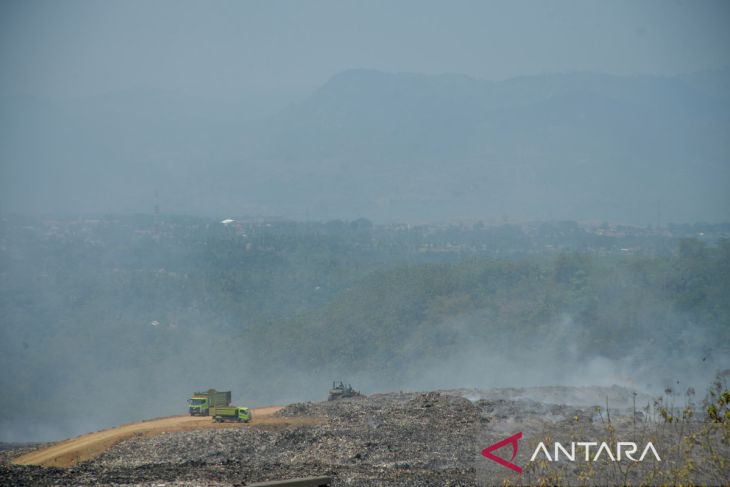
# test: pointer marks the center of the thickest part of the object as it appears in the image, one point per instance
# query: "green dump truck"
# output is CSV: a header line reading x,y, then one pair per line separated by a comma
x,y
230,413
201,402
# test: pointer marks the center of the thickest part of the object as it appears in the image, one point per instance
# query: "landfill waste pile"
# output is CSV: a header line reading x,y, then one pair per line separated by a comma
x,y
402,439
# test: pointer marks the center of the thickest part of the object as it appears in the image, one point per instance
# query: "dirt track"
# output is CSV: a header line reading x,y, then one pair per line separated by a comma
x,y
75,450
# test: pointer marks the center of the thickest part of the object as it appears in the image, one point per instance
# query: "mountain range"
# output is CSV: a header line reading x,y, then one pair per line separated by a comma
x,y
386,146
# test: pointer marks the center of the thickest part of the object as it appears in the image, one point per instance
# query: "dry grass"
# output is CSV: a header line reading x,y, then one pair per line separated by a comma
x,y
693,450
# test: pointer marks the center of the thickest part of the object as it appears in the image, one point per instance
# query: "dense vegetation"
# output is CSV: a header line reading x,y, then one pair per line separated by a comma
x,y
126,316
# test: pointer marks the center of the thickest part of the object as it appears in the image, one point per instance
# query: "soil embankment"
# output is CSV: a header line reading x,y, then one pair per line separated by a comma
x,y
75,450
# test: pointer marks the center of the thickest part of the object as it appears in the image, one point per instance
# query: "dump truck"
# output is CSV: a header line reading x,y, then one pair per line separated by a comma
x,y
201,402
230,413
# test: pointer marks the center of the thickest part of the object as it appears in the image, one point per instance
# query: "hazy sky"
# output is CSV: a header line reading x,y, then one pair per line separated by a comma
x,y
226,48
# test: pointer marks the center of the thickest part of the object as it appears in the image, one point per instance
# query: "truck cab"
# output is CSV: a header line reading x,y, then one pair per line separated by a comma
x,y
244,414
198,406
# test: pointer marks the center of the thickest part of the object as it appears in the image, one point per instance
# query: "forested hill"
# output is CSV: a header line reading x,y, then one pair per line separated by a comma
x,y
132,314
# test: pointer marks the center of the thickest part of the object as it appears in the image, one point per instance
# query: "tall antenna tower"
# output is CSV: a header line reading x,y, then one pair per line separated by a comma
x,y
156,217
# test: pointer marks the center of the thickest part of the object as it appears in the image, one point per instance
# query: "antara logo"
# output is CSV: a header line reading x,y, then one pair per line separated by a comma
x,y
628,449
487,452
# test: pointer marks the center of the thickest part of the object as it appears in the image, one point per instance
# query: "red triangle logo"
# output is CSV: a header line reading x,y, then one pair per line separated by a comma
x,y
487,452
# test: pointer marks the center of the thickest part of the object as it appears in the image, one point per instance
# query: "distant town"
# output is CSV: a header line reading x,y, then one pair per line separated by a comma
x,y
461,238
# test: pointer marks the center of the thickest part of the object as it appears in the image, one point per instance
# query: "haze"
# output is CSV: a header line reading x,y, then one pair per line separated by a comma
x,y
228,49
267,196
234,108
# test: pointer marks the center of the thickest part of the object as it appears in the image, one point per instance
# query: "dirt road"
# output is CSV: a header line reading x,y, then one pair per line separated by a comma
x,y
70,452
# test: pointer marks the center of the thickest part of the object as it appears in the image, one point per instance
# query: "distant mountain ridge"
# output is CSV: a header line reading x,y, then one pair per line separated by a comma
x,y
390,147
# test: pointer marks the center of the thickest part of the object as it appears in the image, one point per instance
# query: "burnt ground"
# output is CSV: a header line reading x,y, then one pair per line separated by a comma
x,y
415,439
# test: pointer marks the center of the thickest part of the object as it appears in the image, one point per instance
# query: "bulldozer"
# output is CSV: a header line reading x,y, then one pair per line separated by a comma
x,y
341,390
